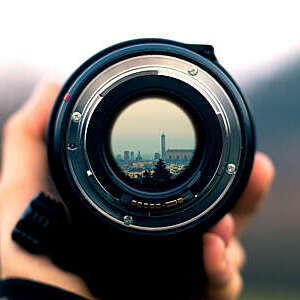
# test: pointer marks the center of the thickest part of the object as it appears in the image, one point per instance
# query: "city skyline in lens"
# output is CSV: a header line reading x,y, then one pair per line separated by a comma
x,y
140,125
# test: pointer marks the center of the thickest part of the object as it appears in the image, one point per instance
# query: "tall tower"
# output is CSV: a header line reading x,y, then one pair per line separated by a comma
x,y
163,145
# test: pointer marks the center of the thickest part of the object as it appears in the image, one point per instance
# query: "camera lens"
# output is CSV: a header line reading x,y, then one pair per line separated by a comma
x,y
153,141
151,136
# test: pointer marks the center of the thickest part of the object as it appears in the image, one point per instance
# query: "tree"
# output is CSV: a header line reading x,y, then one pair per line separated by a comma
x,y
147,178
161,173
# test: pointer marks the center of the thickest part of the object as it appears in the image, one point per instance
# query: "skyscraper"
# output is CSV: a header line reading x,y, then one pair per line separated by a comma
x,y
126,155
163,145
132,156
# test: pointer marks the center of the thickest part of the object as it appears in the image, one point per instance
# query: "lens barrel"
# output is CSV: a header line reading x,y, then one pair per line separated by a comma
x,y
176,189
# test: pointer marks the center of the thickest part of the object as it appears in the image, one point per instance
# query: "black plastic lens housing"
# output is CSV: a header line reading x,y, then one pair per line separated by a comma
x,y
79,138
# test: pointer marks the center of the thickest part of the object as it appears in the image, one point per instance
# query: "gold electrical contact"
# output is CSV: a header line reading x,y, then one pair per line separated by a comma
x,y
141,204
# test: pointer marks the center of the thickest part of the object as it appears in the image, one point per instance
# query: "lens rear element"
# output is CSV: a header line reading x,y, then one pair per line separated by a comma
x,y
153,141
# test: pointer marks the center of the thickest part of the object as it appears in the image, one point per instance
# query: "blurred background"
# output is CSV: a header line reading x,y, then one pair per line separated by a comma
x,y
258,42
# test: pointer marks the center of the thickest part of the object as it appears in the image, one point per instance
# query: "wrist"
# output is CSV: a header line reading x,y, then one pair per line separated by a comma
x,y
18,263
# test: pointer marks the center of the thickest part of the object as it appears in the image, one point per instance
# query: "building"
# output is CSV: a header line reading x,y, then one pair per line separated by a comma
x,y
119,157
181,155
132,156
156,156
175,155
163,145
139,157
126,155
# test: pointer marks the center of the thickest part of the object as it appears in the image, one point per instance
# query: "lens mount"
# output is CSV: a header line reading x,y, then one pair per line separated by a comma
x,y
100,91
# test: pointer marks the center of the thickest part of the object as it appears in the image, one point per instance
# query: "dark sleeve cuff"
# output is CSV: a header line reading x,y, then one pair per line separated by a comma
x,y
19,289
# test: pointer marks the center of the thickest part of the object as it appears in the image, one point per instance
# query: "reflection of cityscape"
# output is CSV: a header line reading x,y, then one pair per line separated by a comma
x,y
163,166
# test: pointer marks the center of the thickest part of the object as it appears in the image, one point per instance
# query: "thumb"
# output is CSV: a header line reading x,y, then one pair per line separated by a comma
x,y
24,160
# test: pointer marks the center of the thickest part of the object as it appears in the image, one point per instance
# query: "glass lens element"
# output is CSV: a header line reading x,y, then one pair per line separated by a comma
x,y
153,141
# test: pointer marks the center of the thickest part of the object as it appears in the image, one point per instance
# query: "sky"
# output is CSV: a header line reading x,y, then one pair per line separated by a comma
x,y
251,38
140,125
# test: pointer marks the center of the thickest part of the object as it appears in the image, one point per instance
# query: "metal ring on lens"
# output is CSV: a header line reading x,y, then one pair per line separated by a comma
x,y
158,65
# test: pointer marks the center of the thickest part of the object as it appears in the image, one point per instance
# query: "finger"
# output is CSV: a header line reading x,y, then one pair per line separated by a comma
x,y
236,254
24,154
259,183
224,281
224,228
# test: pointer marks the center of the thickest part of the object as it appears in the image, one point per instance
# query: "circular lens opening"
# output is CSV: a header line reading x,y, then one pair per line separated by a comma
x,y
153,142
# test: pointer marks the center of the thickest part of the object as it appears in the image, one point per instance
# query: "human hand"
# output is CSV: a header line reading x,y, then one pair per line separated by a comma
x,y
25,173
223,254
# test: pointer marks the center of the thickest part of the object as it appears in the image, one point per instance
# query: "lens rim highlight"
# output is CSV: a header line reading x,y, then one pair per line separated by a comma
x,y
85,189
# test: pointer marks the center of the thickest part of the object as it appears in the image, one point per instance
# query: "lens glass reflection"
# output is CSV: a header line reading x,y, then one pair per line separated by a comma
x,y
153,141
